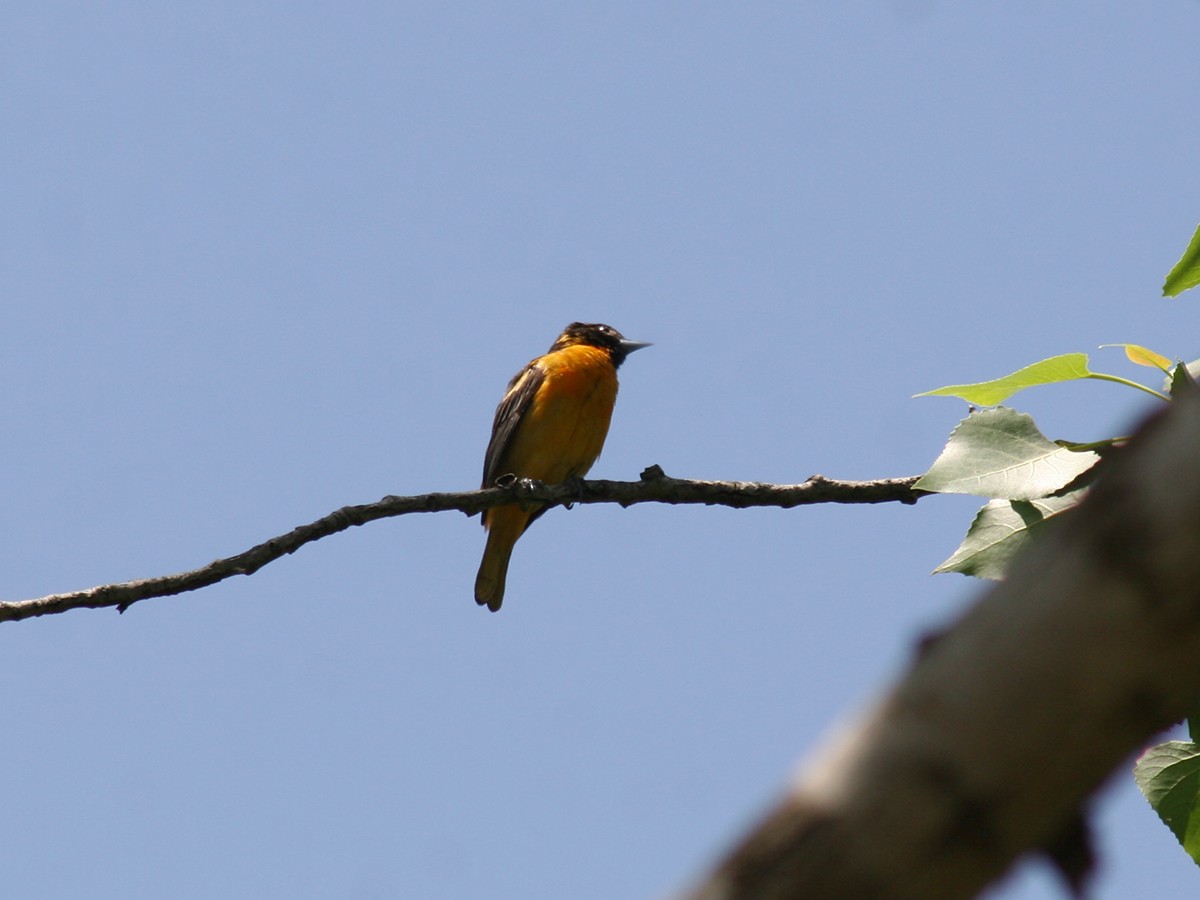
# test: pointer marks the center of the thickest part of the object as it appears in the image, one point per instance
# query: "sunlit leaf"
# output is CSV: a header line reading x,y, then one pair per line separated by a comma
x,y
1169,777
999,453
1143,356
1067,367
1186,273
999,531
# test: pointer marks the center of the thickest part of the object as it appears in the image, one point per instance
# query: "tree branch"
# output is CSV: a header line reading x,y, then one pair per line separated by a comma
x,y
1007,722
654,487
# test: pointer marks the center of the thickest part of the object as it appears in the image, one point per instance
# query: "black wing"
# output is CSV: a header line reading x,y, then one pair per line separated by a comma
x,y
509,413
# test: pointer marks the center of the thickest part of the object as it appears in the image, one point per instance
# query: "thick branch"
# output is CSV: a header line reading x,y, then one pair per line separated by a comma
x,y
655,487
1009,720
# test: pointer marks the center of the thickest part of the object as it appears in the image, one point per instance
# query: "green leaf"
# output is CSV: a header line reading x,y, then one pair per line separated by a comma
x,y
1169,777
1000,530
1186,273
1067,367
1182,377
999,453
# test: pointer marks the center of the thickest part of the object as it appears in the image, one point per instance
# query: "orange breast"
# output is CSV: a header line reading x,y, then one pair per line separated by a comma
x,y
563,431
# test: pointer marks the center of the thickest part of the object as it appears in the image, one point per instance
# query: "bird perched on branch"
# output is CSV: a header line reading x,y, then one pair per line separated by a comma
x,y
550,427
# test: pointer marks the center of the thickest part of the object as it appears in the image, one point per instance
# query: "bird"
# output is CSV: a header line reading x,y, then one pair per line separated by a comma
x,y
550,427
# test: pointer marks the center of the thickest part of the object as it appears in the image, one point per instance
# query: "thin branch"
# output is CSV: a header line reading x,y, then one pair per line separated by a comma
x,y
655,487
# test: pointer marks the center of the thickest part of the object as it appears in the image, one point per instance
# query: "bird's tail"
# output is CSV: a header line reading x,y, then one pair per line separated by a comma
x,y
503,531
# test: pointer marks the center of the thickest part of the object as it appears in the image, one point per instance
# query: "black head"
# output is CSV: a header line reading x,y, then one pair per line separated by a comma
x,y
596,335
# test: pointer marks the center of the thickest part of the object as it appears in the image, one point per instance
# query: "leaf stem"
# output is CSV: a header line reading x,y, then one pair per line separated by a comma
x,y
1093,445
1125,381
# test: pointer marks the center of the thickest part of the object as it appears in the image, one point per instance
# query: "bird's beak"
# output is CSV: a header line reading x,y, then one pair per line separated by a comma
x,y
630,346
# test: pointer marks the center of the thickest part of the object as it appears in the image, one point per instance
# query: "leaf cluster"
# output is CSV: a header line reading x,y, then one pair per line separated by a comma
x,y
1000,454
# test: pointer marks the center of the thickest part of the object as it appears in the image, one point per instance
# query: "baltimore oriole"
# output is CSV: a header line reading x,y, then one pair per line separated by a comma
x,y
549,427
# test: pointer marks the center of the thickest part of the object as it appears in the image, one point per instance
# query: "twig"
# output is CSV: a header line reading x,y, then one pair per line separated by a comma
x,y
655,487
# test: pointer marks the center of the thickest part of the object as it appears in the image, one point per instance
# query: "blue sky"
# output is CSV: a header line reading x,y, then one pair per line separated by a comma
x,y
262,261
